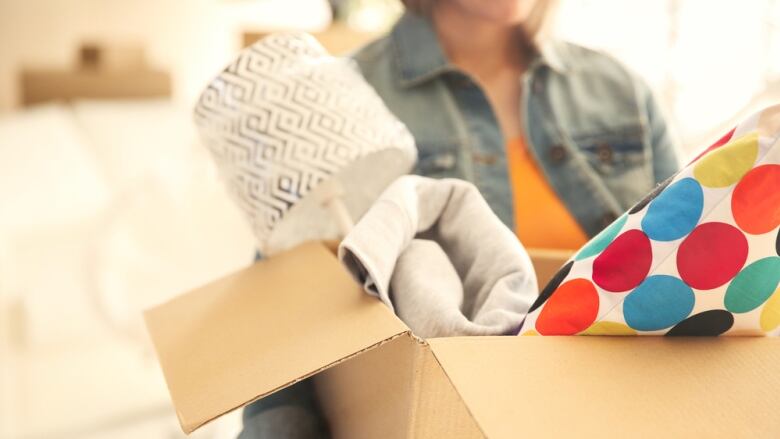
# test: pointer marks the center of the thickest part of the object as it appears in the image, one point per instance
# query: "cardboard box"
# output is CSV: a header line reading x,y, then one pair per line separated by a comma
x,y
547,262
299,314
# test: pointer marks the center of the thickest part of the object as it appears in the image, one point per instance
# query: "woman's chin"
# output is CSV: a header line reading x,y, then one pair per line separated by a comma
x,y
500,13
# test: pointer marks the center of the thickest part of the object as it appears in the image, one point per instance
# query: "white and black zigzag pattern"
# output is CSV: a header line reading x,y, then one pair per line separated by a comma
x,y
283,117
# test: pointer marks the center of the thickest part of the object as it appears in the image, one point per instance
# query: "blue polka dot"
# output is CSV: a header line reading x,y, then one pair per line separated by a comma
x,y
657,303
675,212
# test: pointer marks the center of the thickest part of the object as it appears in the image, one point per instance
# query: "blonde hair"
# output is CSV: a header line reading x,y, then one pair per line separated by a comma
x,y
536,27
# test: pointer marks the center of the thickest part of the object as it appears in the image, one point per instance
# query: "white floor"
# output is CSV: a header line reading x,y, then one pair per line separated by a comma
x,y
105,209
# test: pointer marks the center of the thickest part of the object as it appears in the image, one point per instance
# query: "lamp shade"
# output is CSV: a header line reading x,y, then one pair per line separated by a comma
x,y
286,124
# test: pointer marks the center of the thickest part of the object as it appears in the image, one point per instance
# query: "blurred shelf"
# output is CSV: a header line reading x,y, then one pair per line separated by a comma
x,y
338,39
44,85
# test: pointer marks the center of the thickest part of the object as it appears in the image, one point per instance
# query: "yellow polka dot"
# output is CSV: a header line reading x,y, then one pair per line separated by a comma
x,y
727,164
608,328
770,315
529,332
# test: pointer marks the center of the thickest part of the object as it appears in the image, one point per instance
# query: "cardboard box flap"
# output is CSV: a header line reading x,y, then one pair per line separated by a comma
x,y
396,391
616,387
262,329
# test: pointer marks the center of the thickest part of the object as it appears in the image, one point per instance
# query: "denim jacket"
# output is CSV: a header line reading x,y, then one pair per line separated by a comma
x,y
594,128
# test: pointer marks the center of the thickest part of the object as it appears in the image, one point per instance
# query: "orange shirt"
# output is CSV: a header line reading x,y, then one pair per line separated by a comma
x,y
541,219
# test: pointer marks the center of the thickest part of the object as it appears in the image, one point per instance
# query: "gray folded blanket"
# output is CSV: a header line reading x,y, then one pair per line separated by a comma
x,y
434,252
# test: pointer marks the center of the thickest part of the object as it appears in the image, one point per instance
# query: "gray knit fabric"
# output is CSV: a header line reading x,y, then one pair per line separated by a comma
x,y
435,253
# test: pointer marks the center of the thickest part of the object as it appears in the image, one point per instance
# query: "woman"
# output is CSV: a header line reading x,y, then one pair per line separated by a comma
x,y
558,138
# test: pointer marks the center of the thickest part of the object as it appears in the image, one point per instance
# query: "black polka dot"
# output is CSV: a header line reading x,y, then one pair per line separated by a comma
x,y
777,243
705,324
651,196
552,286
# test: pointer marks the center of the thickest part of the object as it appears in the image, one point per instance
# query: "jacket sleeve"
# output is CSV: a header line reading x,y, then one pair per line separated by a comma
x,y
663,141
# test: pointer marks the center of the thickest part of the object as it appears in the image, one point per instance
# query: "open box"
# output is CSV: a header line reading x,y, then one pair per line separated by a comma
x,y
300,314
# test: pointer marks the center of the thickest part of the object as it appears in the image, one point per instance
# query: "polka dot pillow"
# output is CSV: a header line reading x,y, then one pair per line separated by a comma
x,y
700,255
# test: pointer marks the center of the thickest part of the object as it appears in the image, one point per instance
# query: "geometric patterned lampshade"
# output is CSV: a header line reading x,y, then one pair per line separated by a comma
x,y
286,123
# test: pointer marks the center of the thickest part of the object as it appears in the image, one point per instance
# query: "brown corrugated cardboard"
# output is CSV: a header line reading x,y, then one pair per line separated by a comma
x,y
261,329
299,313
350,391
397,391
547,262
617,386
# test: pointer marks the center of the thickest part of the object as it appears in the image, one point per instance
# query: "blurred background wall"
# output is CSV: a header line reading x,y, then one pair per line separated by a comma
x,y
707,59
192,39
710,61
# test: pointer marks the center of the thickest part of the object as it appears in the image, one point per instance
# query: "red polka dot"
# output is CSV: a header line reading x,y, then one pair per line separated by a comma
x,y
624,264
711,255
755,202
571,309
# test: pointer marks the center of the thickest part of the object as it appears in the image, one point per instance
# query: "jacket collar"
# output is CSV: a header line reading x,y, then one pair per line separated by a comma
x,y
419,57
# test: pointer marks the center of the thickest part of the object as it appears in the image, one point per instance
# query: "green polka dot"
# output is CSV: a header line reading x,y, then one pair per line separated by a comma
x,y
602,240
753,285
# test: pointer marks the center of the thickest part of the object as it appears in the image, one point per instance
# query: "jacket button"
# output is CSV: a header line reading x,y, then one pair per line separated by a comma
x,y
607,219
484,159
557,154
604,152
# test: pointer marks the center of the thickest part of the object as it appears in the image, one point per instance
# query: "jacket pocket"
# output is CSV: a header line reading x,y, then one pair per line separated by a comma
x,y
622,160
613,153
438,159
